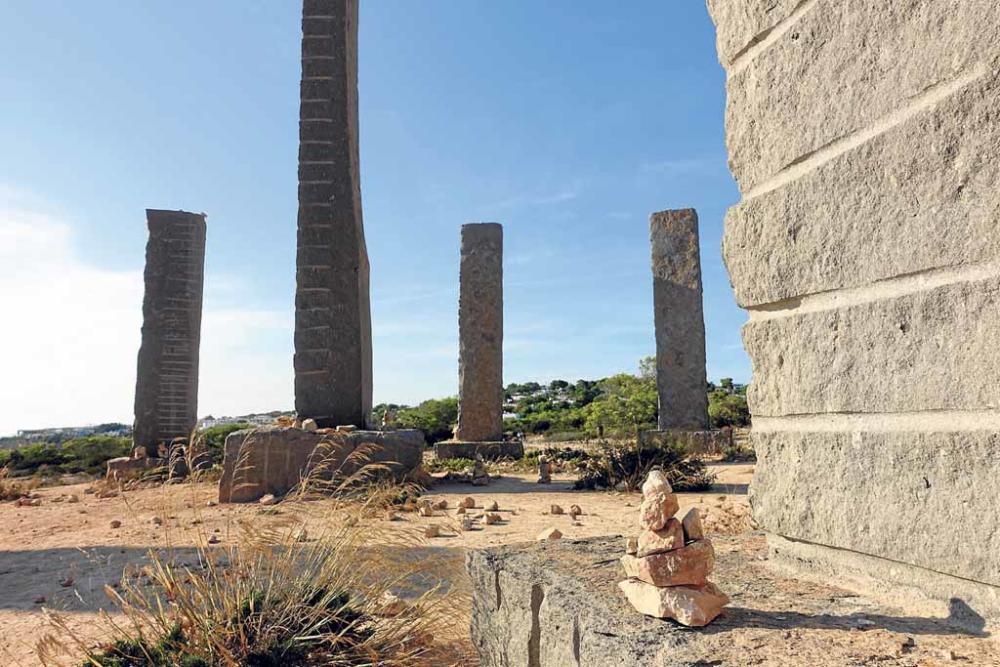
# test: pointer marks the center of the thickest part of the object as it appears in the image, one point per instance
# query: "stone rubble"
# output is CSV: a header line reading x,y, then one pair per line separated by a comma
x,y
668,564
544,470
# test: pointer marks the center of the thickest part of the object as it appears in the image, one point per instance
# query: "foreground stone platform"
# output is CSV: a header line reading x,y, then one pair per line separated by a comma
x,y
456,449
558,603
273,459
695,442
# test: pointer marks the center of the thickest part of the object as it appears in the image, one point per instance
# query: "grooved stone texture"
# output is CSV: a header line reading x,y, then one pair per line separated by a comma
x,y
166,386
333,348
480,334
864,137
679,322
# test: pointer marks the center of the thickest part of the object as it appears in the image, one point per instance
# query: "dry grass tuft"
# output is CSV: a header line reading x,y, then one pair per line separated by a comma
x,y
14,490
318,585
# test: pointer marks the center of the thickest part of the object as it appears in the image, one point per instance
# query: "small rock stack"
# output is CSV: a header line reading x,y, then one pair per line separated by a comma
x,y
544,470
669,563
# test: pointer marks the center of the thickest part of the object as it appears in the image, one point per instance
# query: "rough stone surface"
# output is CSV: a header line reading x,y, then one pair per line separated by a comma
x,y
558,604
926,499
273,459
678,319
480,333
656,509
864,139
166,387
924,351
695,442
333,350
693,606
689,566
691,523
668,538
451,449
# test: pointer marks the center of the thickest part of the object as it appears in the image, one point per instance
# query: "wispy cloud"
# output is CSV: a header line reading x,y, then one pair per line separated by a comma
x,y
682,166
533,199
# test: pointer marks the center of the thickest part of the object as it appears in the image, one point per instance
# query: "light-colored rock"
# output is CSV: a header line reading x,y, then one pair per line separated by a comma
x,y
555,509
657,508
739,23
390,605
425,510
115,523
691,523
549,534
440,504
493,507
492,518
668,538
688,566
656,481
461,509
466,523
631,545
469,502
309,425
347,428
575,511
693,606
268,499
432,530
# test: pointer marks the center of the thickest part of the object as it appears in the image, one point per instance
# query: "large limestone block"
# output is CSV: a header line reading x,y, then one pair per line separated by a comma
x,y
274,459
838,71
930,350
924,498
693,606
931,202
558,603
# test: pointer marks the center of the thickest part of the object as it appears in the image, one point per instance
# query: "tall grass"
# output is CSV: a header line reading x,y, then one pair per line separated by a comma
x,y
308,587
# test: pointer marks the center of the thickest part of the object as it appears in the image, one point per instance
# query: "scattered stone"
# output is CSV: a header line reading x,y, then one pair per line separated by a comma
x,y
392,516
469,502
691,522
575,511
693,606
657,508
390,605
302,535
549,534
40,599
555,509
309,425
460,510
157,521
492,518
440,505
347,428
66,582
432,530
493,507
668,538
425,510
211,503
73,498
214,539
466,523
544,470
688,566
115,523
631,545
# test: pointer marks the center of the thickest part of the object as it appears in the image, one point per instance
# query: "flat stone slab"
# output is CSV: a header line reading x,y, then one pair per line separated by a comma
x,y
274,459
456,449
558,603
696,442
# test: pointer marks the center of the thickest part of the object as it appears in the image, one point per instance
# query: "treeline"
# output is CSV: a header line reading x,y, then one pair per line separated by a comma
x,y
618,405
87,454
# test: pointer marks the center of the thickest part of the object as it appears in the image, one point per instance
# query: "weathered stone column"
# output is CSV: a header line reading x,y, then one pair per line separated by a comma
x,y
333,350
166,387
480,332
678,319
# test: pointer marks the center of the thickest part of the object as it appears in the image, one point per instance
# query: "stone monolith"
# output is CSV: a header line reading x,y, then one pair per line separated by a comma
x,y
166,387
678,319
480,332
333,352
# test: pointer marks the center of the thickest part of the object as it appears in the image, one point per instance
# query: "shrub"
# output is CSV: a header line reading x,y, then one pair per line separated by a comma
x,y
626,466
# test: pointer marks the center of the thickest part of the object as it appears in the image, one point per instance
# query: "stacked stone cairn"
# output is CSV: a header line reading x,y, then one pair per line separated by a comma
x,y
544,470
669,563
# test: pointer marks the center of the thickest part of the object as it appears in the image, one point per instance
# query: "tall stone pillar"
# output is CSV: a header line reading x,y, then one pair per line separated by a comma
x,y
679,321
166,387
333,350
480,331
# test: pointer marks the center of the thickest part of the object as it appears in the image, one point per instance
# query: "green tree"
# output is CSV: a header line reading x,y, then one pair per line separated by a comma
x,y
626,404
435,417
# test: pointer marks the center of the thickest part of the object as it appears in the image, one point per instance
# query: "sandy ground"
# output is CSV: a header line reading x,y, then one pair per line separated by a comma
x,y
60,555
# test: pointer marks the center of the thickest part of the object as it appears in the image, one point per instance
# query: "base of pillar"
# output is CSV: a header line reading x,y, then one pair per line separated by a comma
x,y
695,442
275,459
501,449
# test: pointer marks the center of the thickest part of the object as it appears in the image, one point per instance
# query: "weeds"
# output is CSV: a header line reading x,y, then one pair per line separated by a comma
x,y
625,466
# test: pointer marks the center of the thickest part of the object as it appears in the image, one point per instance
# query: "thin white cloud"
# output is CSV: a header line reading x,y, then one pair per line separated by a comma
x,y
697,165
70,333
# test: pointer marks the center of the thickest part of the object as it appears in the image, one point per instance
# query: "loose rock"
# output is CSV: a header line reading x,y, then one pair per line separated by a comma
x,y
555,509
693,606
549,534
269,499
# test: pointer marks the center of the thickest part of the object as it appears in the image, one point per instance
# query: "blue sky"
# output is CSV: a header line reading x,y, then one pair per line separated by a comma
x,y
568,121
